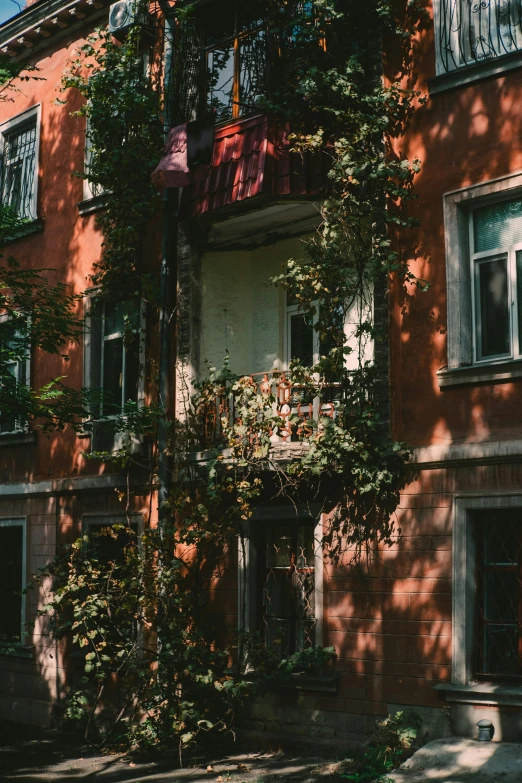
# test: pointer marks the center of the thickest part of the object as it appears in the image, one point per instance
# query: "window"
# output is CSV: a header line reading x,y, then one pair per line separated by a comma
x,y
499,594
496,239
114,357
236,59
288,587
106,546
15,364
19,155
90,190
301,338
114,353
471,31
12,579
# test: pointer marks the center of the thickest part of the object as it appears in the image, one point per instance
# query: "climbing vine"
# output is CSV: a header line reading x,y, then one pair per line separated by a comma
x,y
156,663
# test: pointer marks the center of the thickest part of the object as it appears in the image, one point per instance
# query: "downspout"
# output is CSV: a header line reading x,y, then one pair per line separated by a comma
x,y
168,283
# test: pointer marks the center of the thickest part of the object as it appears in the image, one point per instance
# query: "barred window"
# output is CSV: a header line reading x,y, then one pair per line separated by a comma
x,y
471,31
18,180
499,595
288,594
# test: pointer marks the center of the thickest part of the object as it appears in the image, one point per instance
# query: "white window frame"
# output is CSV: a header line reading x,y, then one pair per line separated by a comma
x,y
90,190
20,522
23,427
11,125
290,312
460,284
464,577
88,353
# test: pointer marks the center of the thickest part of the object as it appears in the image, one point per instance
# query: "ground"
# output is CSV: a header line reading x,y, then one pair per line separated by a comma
x,y
34,756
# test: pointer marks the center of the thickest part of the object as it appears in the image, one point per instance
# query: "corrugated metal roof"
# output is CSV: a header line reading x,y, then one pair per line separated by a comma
x,y
251,158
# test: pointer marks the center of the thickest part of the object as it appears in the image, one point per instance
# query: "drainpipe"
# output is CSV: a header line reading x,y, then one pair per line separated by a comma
x,y
168,283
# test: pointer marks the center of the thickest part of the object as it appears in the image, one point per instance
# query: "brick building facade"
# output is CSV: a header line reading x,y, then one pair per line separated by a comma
x,y
436,624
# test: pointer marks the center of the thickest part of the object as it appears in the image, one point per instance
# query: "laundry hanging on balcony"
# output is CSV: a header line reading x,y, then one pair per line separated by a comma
x,y
172,171
188,146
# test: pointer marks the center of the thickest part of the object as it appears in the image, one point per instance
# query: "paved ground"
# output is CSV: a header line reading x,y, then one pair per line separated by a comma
x,y
462,761
40,757
32,756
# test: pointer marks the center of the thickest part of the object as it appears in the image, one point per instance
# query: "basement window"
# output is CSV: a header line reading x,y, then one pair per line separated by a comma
x,y
12,579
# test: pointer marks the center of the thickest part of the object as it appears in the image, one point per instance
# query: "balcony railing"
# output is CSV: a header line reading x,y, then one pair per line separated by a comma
x,y
295,407
471,31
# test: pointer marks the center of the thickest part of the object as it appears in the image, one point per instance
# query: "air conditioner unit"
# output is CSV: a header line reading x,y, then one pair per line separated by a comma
x,y
122,16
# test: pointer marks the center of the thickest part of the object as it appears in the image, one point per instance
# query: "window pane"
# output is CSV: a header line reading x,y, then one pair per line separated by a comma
x,y
132,370
11,581
18,169
494,324
121,316
499,591
220,64
252,60
497,226
112,376
302,339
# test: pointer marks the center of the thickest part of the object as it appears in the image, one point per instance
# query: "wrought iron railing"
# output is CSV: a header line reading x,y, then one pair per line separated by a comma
x,y
471,31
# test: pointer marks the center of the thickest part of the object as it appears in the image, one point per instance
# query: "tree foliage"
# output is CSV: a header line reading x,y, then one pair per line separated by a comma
x,y
142,617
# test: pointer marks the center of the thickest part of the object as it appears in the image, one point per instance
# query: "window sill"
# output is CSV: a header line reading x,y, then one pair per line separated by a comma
x,y
473,374
470,74
323,683
17,439
25,230
91,205
485,693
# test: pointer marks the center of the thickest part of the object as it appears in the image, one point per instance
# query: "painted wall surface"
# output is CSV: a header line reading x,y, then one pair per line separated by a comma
x,y
241,312
465,136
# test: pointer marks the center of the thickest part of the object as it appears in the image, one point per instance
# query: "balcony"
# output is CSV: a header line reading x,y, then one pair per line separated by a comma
x,y
293,408
253,172
470,32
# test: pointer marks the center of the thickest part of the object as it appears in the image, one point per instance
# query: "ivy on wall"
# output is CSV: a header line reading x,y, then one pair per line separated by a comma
x,y
140,613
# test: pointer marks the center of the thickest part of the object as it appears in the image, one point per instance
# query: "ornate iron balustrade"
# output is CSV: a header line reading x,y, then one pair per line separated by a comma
x,y
471,31
295,405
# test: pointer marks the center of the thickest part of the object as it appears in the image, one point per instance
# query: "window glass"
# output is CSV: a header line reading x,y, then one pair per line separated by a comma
x,y
119,355
499,595
236,58
498,226
11,581
13,355
302,340
221,81
19,169
288,594
495,335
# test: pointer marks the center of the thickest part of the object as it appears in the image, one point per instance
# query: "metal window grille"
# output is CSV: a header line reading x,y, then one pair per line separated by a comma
x,y
470,31
19,169
288,590
499,596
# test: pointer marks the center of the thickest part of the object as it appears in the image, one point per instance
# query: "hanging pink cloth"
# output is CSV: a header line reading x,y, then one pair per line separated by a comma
x,y
172,170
